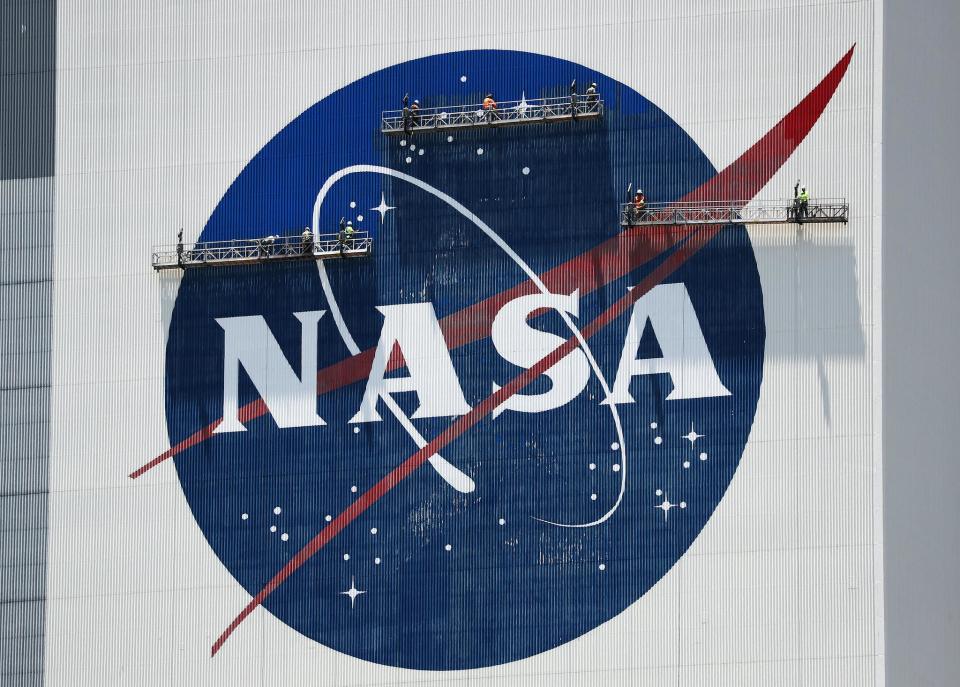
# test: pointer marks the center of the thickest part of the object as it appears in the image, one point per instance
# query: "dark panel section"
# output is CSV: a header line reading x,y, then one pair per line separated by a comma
x,y
921,341
27,87
26,305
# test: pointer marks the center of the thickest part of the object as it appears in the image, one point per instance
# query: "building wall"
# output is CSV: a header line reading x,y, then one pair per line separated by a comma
x,y
27,95
160,106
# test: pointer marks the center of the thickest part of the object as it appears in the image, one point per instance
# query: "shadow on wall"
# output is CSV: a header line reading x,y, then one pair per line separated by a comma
x,y
811,294
169,286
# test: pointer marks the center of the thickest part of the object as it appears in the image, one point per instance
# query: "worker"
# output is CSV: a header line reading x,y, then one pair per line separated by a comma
x,y
407,119
639,208
407,114
180,247
345,237
306,241
490,107
573,99
801,202
592,97
415,112
267,243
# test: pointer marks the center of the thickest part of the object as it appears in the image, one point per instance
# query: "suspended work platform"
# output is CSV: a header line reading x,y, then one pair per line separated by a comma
x,y
818,211
266,249
512,112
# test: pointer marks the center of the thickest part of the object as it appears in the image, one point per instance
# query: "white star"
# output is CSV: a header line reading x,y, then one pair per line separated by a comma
x,y
353,592
666,506
383,208
692,436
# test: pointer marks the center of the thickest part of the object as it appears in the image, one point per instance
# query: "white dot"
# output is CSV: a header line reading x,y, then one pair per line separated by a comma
x,y
593,466
328,518
353,489
653,425
659,492
353,203
284,536
356,430
273,528
244,516
463,79
346,556
409,160
376,561
448,548
703,456
373,530
615,446
403,143
616,467
683,504
412,147
502,522
479,151
525,170
602,566
686,463
420,152
276,510
449,139
359,218
658,440
593,497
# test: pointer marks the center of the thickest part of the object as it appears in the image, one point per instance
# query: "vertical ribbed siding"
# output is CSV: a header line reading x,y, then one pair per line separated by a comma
x,y
27,75
27,115
26,298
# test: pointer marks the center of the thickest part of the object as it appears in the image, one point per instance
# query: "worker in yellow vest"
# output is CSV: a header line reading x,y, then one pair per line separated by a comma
x,y
344,238
801,202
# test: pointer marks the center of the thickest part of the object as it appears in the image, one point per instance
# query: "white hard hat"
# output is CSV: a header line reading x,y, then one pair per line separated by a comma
x,y
803,188
416,102
349,223
639,190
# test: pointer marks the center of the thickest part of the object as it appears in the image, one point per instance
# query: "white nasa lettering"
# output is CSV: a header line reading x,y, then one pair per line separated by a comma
x,y
415,330
686,357
519,343
291,400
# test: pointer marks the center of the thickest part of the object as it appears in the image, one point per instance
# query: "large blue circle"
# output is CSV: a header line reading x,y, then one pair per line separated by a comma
x,y
463,580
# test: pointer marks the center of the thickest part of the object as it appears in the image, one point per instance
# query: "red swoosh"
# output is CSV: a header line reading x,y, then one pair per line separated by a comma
x,y
742,179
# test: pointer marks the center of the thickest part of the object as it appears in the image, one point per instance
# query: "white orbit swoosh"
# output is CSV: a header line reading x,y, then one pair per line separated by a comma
x,y
391,405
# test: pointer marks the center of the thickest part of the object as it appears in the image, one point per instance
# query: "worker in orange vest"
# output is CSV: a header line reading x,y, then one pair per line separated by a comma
x,y
639,205
490,107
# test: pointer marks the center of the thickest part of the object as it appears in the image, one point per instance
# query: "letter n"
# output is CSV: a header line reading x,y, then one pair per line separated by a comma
x,y
292,400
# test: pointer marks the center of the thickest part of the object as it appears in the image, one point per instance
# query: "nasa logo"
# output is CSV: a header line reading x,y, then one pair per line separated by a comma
x,y
549,505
